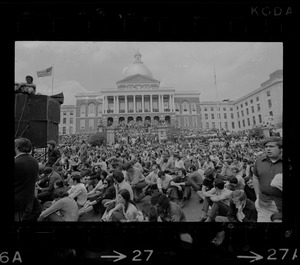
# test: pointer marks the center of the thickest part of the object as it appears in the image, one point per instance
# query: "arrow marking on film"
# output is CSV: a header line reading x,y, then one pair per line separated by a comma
x,y
119,256
254,258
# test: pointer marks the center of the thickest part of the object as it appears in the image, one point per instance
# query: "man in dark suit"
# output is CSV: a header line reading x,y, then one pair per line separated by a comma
x,y
26,175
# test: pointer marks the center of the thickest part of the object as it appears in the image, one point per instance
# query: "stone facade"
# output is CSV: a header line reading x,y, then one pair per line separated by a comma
x,y
138,97
68,120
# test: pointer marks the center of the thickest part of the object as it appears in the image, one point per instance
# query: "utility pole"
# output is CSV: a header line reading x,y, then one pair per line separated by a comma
x,y
218,109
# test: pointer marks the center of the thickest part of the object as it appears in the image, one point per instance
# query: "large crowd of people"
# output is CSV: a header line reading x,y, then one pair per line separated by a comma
x,y
150,180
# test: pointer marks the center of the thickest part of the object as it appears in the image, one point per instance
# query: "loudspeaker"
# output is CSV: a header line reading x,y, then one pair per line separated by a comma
x,y
37,108
37,118
38,132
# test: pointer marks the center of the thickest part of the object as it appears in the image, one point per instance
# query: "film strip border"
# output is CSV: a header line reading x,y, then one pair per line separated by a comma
x,y
230,244
213,21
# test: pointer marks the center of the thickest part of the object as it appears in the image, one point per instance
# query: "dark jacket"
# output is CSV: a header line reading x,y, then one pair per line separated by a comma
x,y
26,175
249,211
53,177
53,156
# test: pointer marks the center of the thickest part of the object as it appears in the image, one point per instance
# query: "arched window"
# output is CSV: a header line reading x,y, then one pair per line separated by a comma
x,y
91,124
99,109
91,110
185,106
193,105
82,110
177,107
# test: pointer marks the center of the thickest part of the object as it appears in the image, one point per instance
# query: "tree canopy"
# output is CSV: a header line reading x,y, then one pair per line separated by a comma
x,y
97,139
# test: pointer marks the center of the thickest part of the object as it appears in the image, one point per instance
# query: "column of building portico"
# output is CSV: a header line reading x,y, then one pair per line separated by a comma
x,y
134,104
117,108
143,106
173,102
107,105
151,110
105,110
103,105
173,116
117,103
159,103
126,110
162,108
114,111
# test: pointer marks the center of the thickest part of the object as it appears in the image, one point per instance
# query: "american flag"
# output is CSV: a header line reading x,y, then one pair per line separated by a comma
x,y
46,72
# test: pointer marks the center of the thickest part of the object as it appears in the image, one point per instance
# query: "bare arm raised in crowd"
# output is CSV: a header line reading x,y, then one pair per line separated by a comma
x,y
256,185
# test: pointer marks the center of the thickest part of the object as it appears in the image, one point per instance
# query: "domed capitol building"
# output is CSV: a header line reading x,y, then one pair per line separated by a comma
x,y
139,98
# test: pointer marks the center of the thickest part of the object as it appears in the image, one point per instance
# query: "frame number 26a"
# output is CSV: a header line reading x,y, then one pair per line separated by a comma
x,y
10,257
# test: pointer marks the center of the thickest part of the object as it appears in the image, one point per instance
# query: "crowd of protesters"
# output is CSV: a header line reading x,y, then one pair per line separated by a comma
x,y
141,178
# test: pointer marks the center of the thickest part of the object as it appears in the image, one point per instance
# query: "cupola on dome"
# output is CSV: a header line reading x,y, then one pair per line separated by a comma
x,y
137,67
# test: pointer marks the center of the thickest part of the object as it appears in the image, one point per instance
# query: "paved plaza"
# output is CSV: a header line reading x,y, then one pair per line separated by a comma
x,y
192,210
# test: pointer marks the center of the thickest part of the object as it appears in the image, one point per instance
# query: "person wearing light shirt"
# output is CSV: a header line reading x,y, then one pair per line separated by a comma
x,y
164,164
78,191
218,198
63,209
178,162
102,163
163,182
136,164
207,163
151,180
119,178
135,178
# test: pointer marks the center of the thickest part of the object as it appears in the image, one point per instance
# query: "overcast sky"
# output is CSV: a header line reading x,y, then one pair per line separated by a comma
x,y
186,66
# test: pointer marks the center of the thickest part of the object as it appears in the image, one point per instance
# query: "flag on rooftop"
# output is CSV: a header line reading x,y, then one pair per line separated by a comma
x,y
46,72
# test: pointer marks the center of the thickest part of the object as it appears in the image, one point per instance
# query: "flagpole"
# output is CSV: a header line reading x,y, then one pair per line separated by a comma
x,y
52,77
217,98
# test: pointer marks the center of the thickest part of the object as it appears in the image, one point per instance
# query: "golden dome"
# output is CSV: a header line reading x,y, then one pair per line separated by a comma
x,y
137,67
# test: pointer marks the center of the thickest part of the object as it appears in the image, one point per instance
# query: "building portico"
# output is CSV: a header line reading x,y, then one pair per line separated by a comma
x,y
137,98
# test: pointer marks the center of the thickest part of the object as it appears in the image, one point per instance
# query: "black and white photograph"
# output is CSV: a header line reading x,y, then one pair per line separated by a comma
x,y
148,131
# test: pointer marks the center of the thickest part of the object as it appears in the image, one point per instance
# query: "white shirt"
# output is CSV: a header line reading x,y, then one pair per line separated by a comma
x,y
164,184
103,165
131,214
78,191
151,178
125,185
277,182
179,164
